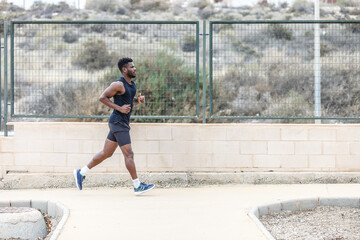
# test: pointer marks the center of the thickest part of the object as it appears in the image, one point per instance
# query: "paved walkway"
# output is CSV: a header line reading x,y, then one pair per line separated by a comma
x,y
215,212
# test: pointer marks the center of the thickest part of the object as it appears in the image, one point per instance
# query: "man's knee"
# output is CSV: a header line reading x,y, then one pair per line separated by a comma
x,y
127,151
129,155
106,154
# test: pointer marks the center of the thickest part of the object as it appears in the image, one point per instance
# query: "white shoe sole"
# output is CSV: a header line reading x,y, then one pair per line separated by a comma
x,y
75,176
138,193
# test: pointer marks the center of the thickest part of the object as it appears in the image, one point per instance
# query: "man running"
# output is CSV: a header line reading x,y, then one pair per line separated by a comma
x,y
123,91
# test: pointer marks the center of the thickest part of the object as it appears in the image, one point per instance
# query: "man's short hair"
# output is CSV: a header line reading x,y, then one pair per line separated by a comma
x,y
123,61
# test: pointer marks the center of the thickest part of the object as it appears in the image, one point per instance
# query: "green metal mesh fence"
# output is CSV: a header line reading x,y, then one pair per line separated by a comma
x,y
59,69
268,69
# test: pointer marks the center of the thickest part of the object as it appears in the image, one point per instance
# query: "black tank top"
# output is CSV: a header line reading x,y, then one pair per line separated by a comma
x,y
126,98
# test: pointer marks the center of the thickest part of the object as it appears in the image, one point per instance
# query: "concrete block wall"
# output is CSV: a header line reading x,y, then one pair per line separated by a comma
x,y
60,147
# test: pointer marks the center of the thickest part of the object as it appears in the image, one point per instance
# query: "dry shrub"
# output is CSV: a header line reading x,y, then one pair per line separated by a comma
x,y
340,86
348,3
255,89
303,6
102,5
154,5
71,98
293,104
285,87
279,31
70,37
93,56
201,4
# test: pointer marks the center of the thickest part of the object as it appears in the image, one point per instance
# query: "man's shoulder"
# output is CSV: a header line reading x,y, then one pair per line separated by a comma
x,y
117,86
117,83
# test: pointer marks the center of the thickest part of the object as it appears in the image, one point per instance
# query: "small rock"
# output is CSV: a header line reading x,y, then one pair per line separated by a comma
x,y
21,222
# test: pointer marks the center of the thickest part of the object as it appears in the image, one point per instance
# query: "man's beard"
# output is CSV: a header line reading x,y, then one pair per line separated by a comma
x,y
130,75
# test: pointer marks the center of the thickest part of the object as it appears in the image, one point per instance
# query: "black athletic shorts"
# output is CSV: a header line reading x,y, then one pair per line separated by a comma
x,y
119,133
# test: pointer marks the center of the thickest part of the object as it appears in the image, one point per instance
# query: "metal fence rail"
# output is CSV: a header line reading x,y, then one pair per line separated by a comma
x,y
268,69
59,69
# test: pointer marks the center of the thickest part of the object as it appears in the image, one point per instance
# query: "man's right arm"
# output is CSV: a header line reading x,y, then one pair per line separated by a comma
x,y
112,90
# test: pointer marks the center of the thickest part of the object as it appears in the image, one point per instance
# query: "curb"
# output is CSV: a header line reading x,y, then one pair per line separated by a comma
x,y
297,205
174,179
53,209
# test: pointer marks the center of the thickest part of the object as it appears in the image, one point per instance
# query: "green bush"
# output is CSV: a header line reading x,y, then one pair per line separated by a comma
x,y
169,86
189,44
93,56
279,31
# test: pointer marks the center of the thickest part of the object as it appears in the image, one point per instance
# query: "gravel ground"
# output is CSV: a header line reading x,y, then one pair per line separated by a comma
x,y
51,224
322,223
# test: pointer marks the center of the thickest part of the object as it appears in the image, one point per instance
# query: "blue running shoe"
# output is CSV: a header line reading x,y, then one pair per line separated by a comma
x,y
78,178
143,188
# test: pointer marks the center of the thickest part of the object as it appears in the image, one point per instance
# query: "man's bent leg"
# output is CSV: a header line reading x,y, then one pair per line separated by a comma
x,y
129,160
108,150
139,187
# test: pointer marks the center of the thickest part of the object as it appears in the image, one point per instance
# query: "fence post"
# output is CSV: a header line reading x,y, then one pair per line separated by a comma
x,y
0,85
197,70
204,71
5,79
210,69
317,64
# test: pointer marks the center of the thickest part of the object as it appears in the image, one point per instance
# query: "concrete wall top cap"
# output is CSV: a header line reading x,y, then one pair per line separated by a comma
x,y
274,125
